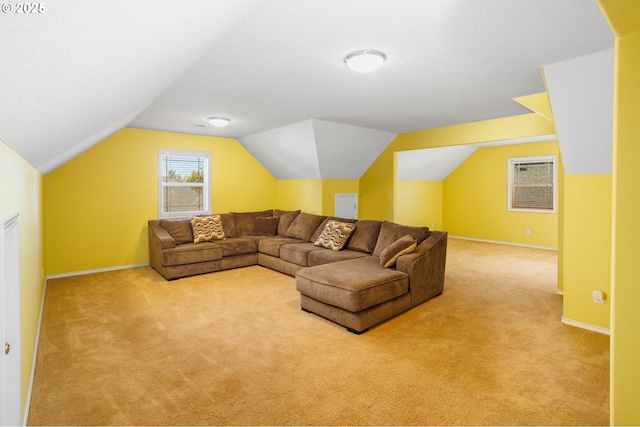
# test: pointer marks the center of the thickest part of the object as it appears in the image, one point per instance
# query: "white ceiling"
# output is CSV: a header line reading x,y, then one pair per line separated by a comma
x,y
84,69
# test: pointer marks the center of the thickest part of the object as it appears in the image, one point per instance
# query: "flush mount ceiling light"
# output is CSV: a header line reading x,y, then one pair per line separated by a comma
x,y
218,122
364,61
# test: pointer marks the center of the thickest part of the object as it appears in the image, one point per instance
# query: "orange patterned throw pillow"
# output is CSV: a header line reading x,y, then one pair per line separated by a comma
x,y
404,245
207,228
335,235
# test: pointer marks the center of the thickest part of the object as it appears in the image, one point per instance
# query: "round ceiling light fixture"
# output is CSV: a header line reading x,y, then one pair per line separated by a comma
x,y
218,122
365,61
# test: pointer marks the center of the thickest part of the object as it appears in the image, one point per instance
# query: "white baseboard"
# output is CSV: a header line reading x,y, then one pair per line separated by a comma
x,y
27,405
98,270
504,243
585,326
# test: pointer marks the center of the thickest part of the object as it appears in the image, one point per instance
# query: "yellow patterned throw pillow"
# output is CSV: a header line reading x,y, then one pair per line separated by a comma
x,y
207,228
335,235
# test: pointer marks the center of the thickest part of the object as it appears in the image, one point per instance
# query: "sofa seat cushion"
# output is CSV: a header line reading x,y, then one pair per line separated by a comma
x,y
353,285
271,245
298,253
326,256
190,253
237,246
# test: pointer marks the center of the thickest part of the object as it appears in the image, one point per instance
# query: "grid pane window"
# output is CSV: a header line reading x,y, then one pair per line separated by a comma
x,y
532,184
184,183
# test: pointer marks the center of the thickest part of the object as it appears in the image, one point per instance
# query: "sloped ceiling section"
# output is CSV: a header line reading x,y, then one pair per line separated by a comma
x,y
81,70
581,95
435,164
288,152
346,152
538,103
317,149
432,164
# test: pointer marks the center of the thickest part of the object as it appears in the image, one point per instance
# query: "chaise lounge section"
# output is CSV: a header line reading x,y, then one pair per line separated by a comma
x,y
354,273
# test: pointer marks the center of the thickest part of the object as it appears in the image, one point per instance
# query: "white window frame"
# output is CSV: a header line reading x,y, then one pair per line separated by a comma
x,y
206,185
532,159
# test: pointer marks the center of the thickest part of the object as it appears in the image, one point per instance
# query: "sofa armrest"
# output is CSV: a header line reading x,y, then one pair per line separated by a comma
x,y
159,239
425,267
159,236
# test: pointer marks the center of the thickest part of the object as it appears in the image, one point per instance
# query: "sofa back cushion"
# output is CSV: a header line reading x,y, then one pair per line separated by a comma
x,y
228,224
265,226
390,232
244,221
179,229
286,218
365,236
304,226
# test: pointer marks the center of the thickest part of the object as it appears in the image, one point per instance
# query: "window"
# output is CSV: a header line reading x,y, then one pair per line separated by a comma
x,y
184,183
532,184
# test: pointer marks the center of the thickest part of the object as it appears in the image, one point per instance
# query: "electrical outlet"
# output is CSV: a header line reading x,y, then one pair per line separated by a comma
x,y
598,297
528,231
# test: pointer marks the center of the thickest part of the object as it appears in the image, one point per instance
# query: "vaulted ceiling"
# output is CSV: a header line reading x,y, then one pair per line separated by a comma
x,y
81,70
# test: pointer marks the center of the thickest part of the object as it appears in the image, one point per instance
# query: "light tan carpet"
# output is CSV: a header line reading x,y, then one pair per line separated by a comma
x,y
234,348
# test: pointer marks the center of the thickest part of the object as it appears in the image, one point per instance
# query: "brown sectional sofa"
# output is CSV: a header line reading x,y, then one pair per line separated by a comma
x,y
347,286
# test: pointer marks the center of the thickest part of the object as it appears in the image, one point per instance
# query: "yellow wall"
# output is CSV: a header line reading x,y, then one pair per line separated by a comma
x,y
313,195
587,248
419,203
98,204
332,186
624,17
475,199
377,186
377,183
21,187
304,194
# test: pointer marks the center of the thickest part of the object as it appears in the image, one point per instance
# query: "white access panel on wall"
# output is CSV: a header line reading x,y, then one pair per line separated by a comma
x,y
347,205
10,365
